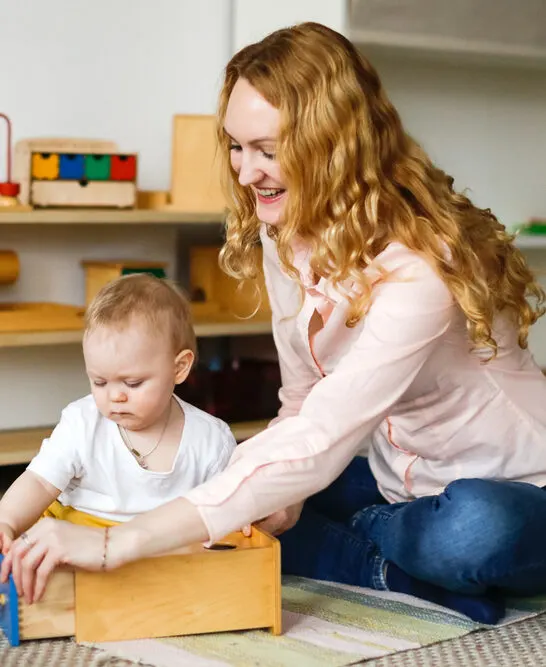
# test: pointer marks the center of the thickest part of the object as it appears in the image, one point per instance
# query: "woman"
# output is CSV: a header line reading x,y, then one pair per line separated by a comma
x,y
401,313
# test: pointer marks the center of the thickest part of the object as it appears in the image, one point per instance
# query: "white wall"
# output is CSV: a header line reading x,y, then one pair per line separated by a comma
x,y
115,70
486,126
254,19
120,70
112,69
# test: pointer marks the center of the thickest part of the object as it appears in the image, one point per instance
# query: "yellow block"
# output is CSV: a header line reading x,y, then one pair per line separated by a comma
x,y
45,166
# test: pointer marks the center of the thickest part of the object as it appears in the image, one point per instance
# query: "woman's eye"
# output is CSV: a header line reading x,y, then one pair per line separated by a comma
x,y
235,147
269,156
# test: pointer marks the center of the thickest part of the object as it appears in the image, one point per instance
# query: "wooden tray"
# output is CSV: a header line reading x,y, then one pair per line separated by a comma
x,y
40,317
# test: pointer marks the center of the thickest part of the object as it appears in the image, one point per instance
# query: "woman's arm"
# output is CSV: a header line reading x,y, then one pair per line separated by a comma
x,y
302,454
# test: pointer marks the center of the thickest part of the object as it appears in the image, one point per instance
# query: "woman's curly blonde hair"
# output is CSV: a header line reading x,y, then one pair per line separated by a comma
x,y
356,182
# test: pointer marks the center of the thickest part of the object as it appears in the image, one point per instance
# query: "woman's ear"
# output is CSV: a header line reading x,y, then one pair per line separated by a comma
x,y
182,365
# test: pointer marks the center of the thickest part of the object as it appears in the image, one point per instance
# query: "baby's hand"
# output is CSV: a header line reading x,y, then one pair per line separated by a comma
x,y
6,538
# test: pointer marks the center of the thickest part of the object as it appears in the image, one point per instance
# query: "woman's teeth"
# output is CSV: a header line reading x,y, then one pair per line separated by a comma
x,y
270,192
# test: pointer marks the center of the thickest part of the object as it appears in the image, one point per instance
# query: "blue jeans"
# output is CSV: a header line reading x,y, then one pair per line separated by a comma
x,y
477,536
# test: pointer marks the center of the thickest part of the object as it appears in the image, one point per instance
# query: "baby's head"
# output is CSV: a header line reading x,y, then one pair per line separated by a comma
x,y
138,344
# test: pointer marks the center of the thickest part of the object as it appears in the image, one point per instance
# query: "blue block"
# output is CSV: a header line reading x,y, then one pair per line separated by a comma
x,y
72,166
9,610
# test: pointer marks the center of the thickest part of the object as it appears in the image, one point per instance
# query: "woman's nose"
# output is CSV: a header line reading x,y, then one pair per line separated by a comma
x,y
249,173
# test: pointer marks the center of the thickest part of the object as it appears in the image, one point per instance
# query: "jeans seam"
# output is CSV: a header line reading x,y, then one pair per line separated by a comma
x,y
378,573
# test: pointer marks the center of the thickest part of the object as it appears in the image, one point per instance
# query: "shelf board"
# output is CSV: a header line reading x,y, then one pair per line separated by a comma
x,y
531,241
38,338
20,446
447,49
227,326
90,216
244,430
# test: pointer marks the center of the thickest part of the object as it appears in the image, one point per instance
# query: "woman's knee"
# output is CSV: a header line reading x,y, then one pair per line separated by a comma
x,y
484,514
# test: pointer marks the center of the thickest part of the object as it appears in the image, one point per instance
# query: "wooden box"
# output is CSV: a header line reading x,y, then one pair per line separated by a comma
x,y
99,273
195,184
213,292
75,172
235,585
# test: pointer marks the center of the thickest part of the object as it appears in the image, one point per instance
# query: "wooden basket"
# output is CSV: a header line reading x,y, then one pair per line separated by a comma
x,y
235,585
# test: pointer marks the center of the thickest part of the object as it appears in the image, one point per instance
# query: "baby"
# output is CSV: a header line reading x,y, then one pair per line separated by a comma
x,y
131,445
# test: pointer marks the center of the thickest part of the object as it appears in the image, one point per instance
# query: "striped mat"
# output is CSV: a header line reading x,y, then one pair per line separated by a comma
x,y
324,625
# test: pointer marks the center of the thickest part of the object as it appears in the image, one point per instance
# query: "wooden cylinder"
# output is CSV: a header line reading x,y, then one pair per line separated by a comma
x,y
9,267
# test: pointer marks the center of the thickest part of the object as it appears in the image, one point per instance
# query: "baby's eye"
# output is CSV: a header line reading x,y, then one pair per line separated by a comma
x,y
99,383
132,385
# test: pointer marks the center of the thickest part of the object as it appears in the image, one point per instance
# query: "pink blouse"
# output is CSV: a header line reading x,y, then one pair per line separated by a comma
x,y
405,381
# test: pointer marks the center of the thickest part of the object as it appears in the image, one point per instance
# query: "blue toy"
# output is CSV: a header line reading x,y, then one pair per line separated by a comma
x,y
9,610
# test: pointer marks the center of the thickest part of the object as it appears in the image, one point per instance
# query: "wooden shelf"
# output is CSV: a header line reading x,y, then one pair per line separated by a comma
x,y
531,242
445,49
20,446
203,329
38,338
244,430
227,325
83,216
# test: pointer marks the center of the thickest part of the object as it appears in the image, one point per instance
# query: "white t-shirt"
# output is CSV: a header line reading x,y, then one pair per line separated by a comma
x,y
87,459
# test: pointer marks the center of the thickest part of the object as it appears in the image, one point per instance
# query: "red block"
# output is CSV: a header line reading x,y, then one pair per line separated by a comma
x,y
123,168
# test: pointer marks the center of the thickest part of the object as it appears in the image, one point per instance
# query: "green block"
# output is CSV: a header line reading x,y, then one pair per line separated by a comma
x,y
157,272
97,167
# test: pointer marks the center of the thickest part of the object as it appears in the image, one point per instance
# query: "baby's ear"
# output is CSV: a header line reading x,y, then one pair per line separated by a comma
x,y
182,365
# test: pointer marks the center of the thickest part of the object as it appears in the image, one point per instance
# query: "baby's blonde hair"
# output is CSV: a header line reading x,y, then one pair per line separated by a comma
x,y
160,302
357,181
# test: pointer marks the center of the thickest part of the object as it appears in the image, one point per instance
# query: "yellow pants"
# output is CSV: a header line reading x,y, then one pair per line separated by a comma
x,y
58,511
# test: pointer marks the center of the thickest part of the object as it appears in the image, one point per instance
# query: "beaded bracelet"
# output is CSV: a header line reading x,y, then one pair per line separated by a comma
x,y
105,549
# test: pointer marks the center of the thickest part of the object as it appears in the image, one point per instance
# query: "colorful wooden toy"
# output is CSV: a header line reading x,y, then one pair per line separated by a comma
x,y
99,273
75,172
9,190
234,585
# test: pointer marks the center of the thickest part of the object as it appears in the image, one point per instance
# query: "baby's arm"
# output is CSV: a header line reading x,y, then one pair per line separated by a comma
x,y
23,504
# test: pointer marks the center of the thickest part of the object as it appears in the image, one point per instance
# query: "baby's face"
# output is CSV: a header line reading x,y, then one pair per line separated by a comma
x,y
132,373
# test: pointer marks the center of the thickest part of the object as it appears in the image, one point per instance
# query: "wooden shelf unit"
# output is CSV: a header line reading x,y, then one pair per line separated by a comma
x,y
79,216
20,445
228,326
531,241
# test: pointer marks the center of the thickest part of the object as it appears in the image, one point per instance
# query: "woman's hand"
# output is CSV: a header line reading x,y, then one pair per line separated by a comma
x,y
278,522
281,521
49,543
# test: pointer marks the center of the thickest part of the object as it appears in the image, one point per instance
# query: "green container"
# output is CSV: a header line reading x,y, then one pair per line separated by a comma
x,y
158,272
97,167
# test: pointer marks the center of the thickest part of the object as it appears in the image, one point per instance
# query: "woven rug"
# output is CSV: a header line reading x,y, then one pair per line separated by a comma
x,y
325,625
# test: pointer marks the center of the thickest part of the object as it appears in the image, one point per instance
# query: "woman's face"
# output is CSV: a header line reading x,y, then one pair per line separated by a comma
x,y
252,125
